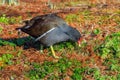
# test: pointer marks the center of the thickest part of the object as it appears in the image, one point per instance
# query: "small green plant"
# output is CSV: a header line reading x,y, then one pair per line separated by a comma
x,y
5,59
118,76
86,13
4,19
1,29
97,75
9,20
104,19
111,46
114,66
71,17
13,20
53,70
3,42
63,45
95,72
96,31
78,74
72,3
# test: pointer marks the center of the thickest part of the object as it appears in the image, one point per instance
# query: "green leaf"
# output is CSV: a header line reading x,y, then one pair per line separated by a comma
x,y
96,31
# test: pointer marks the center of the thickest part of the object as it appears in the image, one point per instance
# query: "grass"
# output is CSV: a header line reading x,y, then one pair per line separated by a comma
x,y
5,60
59,69
102,49
1,29
98,76
96,31
108,50
9,20
64,4
78,73
3,43
10,2
3,19
111,46
71,17
52,70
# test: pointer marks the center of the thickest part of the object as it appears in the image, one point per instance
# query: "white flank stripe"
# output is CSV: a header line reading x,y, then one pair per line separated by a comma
x,y
44,34
26,27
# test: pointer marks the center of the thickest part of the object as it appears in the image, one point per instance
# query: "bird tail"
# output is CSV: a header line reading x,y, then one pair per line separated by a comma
x,y
19,29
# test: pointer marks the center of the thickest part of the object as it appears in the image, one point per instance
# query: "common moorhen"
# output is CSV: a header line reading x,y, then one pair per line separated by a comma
x,y
50,29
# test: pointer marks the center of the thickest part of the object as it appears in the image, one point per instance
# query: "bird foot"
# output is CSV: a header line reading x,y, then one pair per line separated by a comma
x,y
41,51
56,56
53,52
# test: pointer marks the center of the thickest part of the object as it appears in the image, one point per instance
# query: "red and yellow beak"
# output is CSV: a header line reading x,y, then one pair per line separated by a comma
x,y
79,42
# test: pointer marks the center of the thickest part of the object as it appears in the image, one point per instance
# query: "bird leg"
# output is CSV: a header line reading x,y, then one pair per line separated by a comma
x,y
53,52
41,48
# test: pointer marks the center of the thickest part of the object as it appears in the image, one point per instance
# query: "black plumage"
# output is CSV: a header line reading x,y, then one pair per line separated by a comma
x,y
50,29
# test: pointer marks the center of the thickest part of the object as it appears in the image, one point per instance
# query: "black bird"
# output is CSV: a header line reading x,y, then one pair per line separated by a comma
x,y
50,29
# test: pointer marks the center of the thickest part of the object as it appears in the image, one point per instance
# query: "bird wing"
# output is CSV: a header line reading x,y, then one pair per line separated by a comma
x,y
53,37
